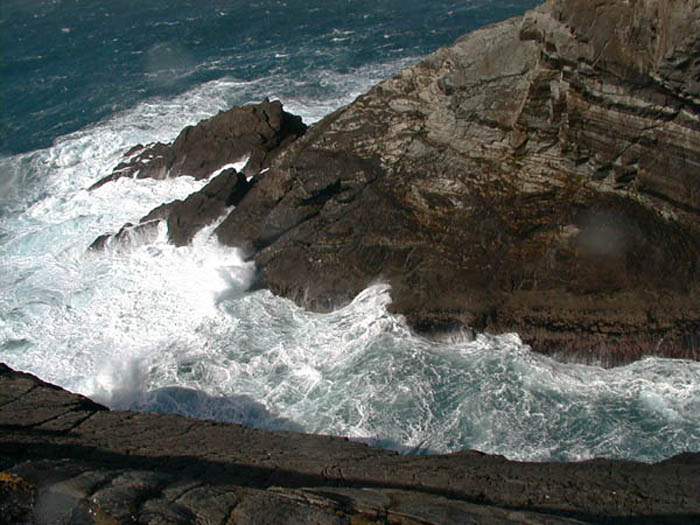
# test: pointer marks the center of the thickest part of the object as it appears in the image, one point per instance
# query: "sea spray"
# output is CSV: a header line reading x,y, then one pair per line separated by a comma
x,y
151,326
154,327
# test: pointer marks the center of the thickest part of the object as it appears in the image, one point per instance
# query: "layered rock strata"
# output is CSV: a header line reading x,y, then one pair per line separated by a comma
x,y
541,175
65,459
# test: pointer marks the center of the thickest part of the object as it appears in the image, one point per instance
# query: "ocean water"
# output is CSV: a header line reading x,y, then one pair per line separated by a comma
x,y
157,328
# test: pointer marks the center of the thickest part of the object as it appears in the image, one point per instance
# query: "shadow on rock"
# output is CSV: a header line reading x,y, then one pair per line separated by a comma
x,y
189,402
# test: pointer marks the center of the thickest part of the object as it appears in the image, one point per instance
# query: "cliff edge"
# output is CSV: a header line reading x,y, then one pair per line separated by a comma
x,y
541,175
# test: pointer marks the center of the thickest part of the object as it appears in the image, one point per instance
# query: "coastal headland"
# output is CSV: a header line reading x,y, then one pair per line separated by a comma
x,y
540,176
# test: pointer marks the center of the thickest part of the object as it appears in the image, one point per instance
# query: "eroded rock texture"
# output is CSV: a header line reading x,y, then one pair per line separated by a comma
x,y
541,175
65,459
254,131
184,218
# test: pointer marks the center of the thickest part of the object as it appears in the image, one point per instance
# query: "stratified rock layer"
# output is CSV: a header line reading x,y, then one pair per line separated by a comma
x,y
541,175
65,459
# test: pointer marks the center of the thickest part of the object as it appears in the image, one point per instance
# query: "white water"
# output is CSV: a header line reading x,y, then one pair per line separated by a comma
x,y
155,327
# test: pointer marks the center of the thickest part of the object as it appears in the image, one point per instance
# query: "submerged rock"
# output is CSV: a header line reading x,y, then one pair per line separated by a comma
x,y
65,459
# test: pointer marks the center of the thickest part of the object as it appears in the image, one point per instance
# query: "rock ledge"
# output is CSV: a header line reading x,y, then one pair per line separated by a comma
x,y
65,459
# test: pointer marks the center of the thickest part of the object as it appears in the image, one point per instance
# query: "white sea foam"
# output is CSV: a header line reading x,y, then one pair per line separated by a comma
x,y
156,327
360,372
238,166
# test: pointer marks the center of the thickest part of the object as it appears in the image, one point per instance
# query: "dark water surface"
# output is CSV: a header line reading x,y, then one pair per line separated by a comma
x,y
69,63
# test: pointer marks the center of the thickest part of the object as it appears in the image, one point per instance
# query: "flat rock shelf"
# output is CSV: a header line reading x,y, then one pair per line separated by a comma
x,y
66,459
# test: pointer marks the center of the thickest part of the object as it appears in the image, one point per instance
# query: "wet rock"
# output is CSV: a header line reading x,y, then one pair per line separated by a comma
x,y
539,176
76,462
186,217
255,130
128,235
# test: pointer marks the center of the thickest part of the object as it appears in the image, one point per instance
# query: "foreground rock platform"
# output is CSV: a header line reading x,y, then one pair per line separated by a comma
x,y
66,459
541,175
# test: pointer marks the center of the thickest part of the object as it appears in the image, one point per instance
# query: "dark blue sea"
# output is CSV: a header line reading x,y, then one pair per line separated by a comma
x,y
158,328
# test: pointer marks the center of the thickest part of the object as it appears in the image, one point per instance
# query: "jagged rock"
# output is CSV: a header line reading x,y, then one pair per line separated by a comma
x,y
73,461
186,217
128,235
255,130
541,175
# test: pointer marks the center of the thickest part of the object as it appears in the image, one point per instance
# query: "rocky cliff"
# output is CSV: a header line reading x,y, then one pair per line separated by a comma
x,y
541,175
65,459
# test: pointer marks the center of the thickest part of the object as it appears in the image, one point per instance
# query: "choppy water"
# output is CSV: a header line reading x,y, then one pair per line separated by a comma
x,y
155,327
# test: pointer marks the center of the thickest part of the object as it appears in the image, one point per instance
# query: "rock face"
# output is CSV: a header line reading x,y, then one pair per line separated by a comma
x,y
65,459
541,175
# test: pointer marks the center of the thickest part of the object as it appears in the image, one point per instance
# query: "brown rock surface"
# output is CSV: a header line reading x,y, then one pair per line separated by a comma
x,y
65,459
254,131
541,175
184,218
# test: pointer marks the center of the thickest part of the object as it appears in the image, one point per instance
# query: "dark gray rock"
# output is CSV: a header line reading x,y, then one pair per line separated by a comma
x,y
129,235
65,459
255,130
541,175
186,217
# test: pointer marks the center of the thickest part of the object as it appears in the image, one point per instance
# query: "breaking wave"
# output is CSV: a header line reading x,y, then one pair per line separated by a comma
x,y
154,327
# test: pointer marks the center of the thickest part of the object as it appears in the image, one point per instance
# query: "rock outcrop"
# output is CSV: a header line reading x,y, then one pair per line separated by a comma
x,y
255,131
184,218
541,175
65,459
